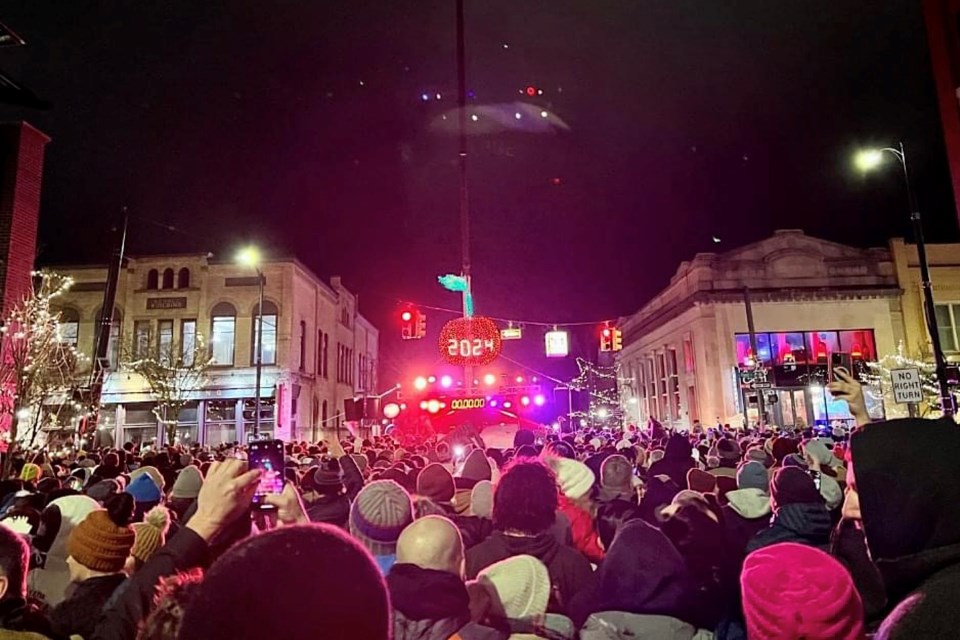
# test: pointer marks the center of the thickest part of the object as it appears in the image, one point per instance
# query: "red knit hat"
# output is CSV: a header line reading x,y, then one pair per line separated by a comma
x,y
792,591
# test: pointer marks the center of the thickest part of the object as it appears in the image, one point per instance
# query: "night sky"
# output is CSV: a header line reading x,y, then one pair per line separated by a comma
x,y
300,125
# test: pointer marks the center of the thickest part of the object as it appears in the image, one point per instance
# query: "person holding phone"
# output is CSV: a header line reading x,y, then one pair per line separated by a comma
x,y
844,386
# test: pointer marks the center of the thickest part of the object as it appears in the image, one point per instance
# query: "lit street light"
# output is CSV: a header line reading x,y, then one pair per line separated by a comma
x,y
867,160
250,257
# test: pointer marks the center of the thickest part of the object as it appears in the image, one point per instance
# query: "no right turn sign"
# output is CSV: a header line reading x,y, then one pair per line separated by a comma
x,y
906,385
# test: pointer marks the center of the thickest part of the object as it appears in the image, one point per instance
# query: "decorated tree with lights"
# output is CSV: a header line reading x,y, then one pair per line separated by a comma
x,y
38,376
174,372
602,383
877,375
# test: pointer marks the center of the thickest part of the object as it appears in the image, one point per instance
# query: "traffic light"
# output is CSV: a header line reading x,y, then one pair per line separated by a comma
x,y
617,343
606,339
413,323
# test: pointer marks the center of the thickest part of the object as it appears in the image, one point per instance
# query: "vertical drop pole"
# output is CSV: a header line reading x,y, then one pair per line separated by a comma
x,y
756,356
464,192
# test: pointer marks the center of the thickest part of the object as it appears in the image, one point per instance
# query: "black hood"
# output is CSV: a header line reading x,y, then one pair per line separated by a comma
x,y
425,594
678,448
909,487
542,547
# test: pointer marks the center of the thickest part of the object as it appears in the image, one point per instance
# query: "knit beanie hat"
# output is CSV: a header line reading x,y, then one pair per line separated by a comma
x,y
481,499
575,478
153,472
818,450
476,467
104,539
520,586
379,513
616,473
753,475
761,455
728,450
436,483
793,591
151,534
701,481
328,472
791,485
31,472
782,447
186,459
830,491
144,489
188,483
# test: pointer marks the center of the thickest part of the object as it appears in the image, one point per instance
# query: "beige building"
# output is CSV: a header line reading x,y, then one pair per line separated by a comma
x,y
944,262
688,356
317,349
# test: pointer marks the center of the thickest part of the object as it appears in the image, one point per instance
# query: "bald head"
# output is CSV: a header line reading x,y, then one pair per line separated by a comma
x,y
432,542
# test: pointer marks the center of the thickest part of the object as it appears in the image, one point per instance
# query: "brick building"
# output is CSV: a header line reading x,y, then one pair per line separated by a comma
x,y
318,350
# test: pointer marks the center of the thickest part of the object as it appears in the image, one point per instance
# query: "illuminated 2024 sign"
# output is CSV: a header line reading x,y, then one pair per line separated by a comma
x,y
470,342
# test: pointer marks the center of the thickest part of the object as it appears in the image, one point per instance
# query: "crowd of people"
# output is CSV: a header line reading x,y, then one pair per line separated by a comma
x,y
598,535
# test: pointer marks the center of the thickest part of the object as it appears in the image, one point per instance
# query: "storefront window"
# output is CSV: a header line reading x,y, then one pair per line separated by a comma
x,y
220,422
859,344
745,355
821,344
267,412
140,424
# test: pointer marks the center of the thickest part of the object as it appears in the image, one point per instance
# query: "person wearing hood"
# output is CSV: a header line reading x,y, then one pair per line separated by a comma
x,y
643,591
799,513
728,457
49,579
518,592
795,592
524,513
677,460
576,480
185,490
475,468
427,593
747,511
658,493
905,479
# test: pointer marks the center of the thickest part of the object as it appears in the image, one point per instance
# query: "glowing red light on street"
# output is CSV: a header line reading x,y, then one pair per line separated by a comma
x,y
406,316
606,333
531,91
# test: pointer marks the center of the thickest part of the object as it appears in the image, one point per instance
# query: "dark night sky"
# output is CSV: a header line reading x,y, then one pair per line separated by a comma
x,y
247,121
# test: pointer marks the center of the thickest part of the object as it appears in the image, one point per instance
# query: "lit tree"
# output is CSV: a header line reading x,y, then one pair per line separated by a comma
x,y
602,383
38,376
174,372
878,376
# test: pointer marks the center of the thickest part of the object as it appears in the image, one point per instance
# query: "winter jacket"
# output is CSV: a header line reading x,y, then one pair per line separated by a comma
x,y
49,578
331,509
130,603
677,460
548,627
746,514
78,614
909,490
808,524
431,605
619,625
569,570
848,545
18,619
473,529
584,530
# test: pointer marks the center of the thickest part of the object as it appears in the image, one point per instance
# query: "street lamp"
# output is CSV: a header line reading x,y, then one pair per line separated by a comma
x,y
250,257
867,160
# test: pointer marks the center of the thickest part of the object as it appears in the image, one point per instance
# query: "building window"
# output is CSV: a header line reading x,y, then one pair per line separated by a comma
x,y
141,339
165,339
188,341
674,383
269,337
68,329
326,356
223,327
948,317
303,345
319,353
183,279
168,278
153,279
323,414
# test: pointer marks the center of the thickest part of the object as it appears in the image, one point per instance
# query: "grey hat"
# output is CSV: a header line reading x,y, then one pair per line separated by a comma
x,y
753,475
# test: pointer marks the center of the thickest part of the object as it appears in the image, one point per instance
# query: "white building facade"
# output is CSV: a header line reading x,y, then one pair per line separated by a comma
x,y
687,353
317,349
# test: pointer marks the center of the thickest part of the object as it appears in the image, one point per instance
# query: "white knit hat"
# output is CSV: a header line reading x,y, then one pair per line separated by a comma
x,y
831,491
481,499
575,478
520,585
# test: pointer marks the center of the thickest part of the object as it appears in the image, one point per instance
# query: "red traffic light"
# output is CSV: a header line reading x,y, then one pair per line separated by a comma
x,y
406,316
606,333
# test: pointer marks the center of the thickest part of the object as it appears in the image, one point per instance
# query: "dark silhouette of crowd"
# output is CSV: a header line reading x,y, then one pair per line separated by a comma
x,y
597,534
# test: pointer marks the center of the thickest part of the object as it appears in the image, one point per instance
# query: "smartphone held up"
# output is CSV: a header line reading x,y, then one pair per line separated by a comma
x,y
268,456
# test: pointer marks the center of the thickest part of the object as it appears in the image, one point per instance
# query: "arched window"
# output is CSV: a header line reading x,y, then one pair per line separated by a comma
x,y
68,328
153,279
269,337
223,333
183,279
168,278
